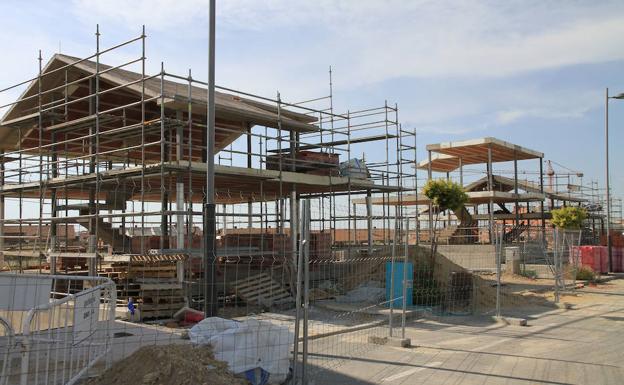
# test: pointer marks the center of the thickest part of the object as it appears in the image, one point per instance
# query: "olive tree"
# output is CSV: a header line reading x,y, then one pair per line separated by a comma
x,y
444,195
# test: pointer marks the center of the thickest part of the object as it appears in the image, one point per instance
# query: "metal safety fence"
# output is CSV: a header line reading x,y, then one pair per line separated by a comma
x,y
516,274
350,299
54,328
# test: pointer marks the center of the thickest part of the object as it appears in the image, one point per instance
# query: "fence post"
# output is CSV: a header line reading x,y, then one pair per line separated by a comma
x,y
556,263
305,252
405,280
499,251
298,294
394,237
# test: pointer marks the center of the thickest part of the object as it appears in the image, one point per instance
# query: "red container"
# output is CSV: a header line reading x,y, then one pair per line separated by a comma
x,y
617,256
594,257
600,260
604,258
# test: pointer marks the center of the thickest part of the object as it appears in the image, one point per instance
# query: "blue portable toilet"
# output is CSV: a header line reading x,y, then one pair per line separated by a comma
x,y
398,283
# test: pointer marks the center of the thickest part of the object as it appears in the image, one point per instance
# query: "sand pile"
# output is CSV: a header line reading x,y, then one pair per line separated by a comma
x,y
179,364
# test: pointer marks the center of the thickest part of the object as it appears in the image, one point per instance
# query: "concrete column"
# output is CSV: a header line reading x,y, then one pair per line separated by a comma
x,y
543,216
249,164
429,177
355,236
1,208
180,217
490,188
461,171
180,227
517,222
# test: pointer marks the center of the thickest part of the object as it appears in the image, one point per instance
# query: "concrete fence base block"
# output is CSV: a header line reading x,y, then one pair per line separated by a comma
x,y
377,340
512,321
390,341
400,342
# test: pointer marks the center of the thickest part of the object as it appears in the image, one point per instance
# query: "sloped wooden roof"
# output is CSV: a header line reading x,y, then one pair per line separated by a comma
x,y
502,183
228,107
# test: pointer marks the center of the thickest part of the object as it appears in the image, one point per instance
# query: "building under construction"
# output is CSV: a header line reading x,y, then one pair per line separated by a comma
x,y
104,167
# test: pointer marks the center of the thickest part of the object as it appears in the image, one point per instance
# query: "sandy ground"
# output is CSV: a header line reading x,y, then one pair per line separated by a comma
x,y
171,365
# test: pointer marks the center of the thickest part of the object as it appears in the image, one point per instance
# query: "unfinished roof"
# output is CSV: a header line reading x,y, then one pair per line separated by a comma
x,y
474,198
502,183
440,163
233,184
475,151
117,85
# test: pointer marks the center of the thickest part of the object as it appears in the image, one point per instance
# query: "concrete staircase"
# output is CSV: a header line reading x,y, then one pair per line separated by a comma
x,y
513,234
445,236
107,233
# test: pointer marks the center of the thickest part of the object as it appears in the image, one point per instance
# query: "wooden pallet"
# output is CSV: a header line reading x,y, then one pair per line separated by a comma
x,y
151,281
261,288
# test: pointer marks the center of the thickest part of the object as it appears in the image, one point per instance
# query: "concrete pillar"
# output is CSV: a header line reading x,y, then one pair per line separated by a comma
x,y
490,188
180,217
1,208
429,177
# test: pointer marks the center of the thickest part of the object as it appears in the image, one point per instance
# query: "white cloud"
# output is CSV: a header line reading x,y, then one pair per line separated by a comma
x,y
556,104
369,42
513,115
373,41
442,129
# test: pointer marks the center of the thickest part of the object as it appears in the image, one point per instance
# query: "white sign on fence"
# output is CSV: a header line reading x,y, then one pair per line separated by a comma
x,y
86,313
23,292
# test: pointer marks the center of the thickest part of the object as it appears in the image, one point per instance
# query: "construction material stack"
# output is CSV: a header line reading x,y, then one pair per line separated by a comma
x,y
151,284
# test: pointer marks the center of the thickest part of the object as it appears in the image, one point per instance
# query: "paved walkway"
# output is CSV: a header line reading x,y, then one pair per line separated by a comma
x,y
584,345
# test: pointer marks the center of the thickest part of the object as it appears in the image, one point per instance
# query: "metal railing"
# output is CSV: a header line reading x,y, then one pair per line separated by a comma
x,y
56,328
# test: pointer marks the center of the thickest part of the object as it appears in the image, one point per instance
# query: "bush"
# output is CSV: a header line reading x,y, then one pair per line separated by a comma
x,y
427,292
569,217
531,274
585,274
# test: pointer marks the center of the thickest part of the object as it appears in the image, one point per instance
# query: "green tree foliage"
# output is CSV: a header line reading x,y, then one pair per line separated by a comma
x,y
445,194
569,217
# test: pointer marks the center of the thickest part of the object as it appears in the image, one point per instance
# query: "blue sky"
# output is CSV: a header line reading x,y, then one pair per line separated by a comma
x,y
529,72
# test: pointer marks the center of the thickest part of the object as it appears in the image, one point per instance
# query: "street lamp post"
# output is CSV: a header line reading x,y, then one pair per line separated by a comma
x,y
607,97
210,287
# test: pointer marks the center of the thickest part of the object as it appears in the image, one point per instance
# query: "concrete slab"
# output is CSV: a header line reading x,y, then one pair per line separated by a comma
x,y
512,321
581,346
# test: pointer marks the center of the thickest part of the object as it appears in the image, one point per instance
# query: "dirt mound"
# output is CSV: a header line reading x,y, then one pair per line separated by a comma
x,y
178,364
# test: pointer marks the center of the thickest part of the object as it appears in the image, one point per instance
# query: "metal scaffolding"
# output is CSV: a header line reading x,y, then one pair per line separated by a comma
x,y
103,162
